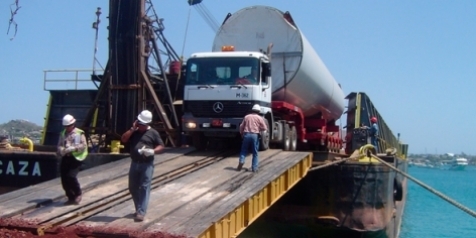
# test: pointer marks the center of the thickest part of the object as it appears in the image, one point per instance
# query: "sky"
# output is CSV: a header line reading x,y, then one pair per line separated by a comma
x,y
415,59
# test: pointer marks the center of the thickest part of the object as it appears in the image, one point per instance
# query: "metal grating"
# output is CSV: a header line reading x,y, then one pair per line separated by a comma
x,y
230,108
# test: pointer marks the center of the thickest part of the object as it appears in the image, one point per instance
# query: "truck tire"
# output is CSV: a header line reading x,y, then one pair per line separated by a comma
x,y
264,138
286,137
293,138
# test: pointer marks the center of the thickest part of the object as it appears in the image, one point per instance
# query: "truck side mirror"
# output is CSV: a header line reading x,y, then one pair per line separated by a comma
x,y
266,75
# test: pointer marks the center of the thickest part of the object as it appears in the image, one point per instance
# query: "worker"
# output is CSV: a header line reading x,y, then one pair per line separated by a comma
x,y
373,132
72,149
250,129
253,76
145,142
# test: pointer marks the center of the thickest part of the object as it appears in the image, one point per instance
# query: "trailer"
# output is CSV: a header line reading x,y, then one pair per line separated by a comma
x,y
300,100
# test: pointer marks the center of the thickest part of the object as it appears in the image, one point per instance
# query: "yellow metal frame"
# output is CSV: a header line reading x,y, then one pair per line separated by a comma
x,y
47,117
235,222
358,105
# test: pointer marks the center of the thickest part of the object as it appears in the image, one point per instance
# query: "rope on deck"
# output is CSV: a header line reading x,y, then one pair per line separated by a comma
x,y
353,157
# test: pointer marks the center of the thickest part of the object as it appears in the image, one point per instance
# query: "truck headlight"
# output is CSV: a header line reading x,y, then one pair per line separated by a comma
x,y
226,125
206,124
191,125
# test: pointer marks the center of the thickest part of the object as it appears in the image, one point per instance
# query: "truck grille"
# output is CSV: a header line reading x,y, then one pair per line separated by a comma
x,y
230,108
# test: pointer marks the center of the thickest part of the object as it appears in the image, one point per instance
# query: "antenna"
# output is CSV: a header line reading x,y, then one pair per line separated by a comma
x,y
96,27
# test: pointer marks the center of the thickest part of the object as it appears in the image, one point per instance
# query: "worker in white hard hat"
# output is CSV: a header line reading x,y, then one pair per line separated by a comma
x,y
145,142
72,149
250,128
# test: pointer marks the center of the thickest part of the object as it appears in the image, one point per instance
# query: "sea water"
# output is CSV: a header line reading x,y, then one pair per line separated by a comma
x,y
427,215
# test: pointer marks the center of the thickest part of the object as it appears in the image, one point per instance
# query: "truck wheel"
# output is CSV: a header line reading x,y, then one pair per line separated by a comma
x,y
264,138
199,141
293,138
286,137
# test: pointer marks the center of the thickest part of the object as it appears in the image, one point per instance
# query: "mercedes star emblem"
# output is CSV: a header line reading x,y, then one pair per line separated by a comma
x,y
218,107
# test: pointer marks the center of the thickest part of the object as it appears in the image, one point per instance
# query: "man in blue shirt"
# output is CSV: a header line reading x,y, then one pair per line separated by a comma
x,y
373,130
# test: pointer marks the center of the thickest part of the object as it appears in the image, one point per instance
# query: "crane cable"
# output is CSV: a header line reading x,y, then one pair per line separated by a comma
x,y
186,32
207,16
366,148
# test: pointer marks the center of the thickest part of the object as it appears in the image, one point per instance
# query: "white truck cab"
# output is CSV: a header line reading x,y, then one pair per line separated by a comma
x,y
220,89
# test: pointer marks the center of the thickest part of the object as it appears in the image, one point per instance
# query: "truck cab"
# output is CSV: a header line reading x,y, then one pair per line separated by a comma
x,y
220,89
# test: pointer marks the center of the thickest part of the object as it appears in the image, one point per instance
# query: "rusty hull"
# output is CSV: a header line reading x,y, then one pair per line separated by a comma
x,y
353,195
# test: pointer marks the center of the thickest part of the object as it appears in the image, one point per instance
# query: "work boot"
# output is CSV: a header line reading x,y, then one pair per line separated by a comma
x,y
240,166
139,217
77,200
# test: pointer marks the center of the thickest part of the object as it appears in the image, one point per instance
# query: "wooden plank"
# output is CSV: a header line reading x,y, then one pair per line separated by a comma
x,y
123,210
186,205
95,196
254,185
167,200
53,192
201,221
232,181
170,153
102,193
214,182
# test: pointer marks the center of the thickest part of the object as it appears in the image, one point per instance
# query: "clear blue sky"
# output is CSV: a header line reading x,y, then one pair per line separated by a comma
x,y
415,59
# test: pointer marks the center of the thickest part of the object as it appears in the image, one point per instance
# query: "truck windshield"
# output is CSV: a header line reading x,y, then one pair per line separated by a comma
x,y
223,71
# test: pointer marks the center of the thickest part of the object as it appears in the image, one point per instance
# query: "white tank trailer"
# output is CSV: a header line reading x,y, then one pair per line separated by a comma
x,y
299,76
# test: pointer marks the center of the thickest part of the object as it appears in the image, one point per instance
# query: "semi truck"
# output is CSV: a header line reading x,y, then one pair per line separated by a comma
x,y
300,100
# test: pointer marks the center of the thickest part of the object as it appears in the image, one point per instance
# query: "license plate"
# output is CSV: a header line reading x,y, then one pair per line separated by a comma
x,y
217,122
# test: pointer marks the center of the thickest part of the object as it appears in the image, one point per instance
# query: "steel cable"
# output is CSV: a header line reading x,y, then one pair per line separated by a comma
x,y
367,148
432,190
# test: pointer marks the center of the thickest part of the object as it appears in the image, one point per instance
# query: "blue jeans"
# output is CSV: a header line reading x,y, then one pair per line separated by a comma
x,y
373,140
140,177
250,142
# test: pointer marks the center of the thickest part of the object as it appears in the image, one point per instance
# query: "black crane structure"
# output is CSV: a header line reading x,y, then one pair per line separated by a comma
x,y
135,76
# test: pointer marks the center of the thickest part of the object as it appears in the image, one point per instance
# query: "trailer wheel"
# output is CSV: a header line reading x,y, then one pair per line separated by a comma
x,y
286,137
264,137
293,138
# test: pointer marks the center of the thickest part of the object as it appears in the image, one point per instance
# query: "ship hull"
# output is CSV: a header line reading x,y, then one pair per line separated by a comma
x,y
348,200
458,167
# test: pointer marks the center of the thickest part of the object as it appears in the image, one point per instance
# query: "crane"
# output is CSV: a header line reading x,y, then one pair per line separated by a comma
x,y
135,77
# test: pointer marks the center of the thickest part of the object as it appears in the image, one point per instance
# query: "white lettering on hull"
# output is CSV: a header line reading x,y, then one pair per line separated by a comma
x,y
22,168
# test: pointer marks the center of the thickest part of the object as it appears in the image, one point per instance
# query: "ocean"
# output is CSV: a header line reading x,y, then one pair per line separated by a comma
x,y
427,215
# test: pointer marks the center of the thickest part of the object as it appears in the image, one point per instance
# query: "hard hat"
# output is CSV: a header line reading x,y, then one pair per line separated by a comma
x,y
145,117
68,120
373,119
256,108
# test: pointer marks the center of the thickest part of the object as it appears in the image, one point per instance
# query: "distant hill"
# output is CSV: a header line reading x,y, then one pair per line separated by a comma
x,y
20,128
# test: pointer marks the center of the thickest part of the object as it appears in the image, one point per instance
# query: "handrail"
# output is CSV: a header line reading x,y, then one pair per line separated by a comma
x,y
60,79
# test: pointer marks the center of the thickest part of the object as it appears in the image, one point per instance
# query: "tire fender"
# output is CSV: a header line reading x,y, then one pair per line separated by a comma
x,y
397,190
